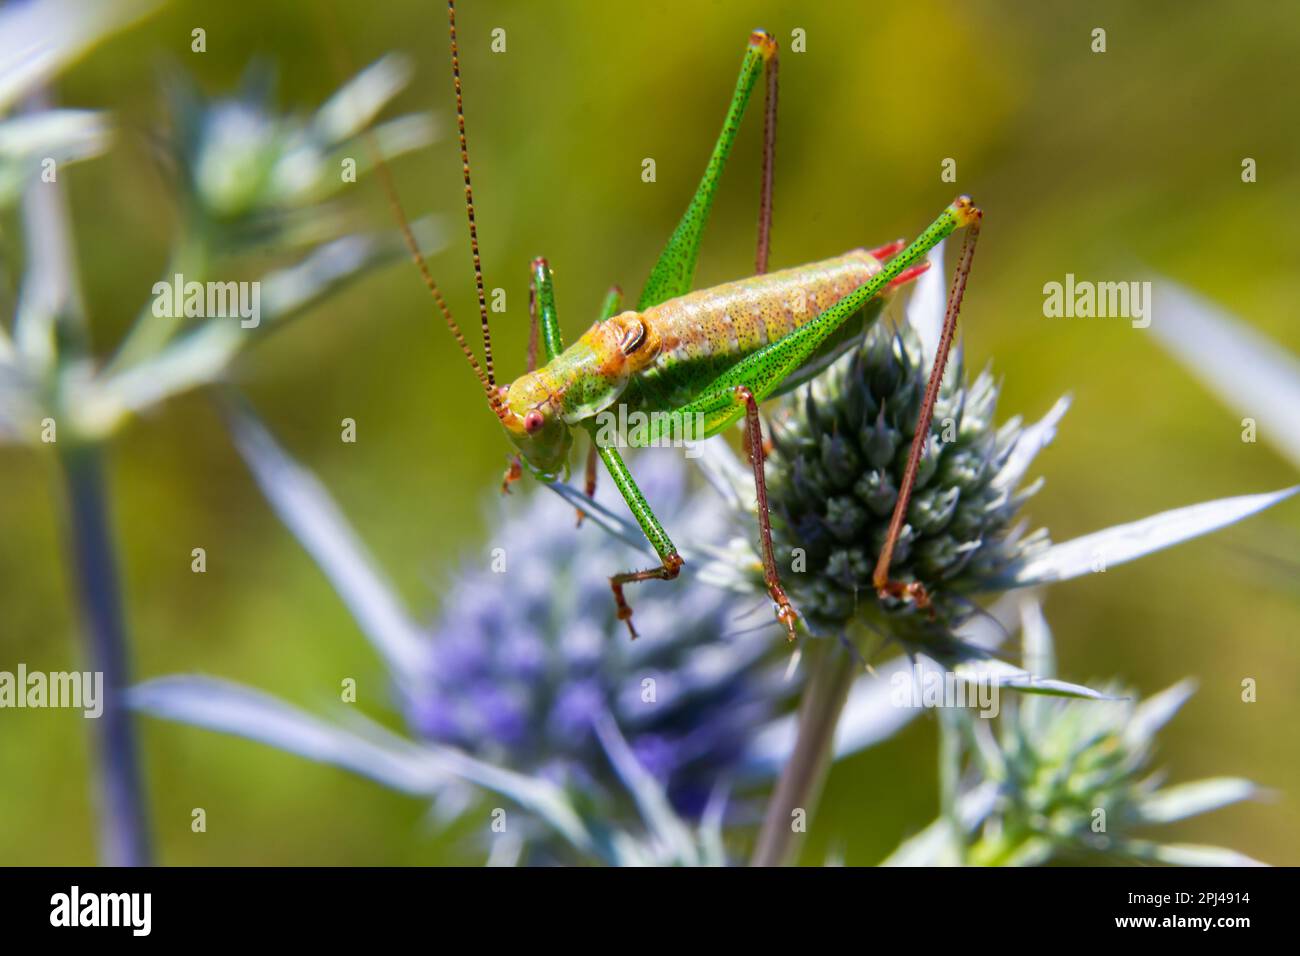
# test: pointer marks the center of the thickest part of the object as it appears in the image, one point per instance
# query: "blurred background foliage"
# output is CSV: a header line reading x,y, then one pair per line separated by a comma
x,y
1110,166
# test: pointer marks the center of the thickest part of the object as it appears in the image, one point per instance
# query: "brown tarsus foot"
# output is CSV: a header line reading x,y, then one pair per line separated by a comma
x,y
672,566
911,591
514,471
785,612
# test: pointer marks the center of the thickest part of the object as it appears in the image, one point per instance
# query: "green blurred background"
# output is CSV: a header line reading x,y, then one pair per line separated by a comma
x,y
1096,164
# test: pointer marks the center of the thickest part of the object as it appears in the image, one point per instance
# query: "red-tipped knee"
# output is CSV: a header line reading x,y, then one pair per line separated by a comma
x,y
884,252
764,42
910,273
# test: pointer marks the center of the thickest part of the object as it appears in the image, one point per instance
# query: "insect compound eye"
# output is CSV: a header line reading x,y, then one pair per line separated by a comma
x,y
533,421
633,337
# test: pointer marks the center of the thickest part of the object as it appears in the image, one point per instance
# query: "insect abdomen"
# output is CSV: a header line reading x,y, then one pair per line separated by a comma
x,y
695,337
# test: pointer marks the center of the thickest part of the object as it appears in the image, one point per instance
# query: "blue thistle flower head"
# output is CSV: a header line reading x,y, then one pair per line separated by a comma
x,y
1067,780
841,447
527,654
252,175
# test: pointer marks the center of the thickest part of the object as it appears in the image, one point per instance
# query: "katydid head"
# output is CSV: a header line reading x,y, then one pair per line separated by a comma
x,y
534,425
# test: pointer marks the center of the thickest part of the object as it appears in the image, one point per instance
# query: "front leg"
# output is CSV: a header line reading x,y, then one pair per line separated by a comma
x,y
672,566
671,561
543,324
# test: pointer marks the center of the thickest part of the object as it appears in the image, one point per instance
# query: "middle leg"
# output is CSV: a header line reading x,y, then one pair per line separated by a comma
x,y
785,613
671,562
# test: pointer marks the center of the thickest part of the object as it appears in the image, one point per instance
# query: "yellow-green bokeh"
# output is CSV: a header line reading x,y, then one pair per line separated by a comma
x,y
1105,165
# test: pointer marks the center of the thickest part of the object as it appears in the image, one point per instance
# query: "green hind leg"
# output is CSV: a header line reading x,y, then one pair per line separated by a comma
x,y
674,272
764,371
914,591
756,377
673,275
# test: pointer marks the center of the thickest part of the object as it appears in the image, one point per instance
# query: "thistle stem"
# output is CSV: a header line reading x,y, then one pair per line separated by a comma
x,y
800,785
123,831
151,333
950,751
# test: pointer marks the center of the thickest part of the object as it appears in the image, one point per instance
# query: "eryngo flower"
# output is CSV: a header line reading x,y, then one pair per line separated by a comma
x,y
1069,781
840,447
527,654
1076,780
252,180
527,686
37,40
251,174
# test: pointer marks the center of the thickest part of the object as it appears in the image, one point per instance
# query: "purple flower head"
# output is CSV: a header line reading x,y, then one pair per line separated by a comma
x,y
527,652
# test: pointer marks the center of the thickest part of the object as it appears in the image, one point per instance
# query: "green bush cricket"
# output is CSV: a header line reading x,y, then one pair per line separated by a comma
x,y
710,355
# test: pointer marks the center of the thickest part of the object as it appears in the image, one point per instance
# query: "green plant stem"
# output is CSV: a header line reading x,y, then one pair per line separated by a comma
x,y
950,751
150,333
800,785
123,830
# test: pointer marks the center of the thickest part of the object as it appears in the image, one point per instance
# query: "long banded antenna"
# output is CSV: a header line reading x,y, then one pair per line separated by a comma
x,y
390,190
469,193
339,53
